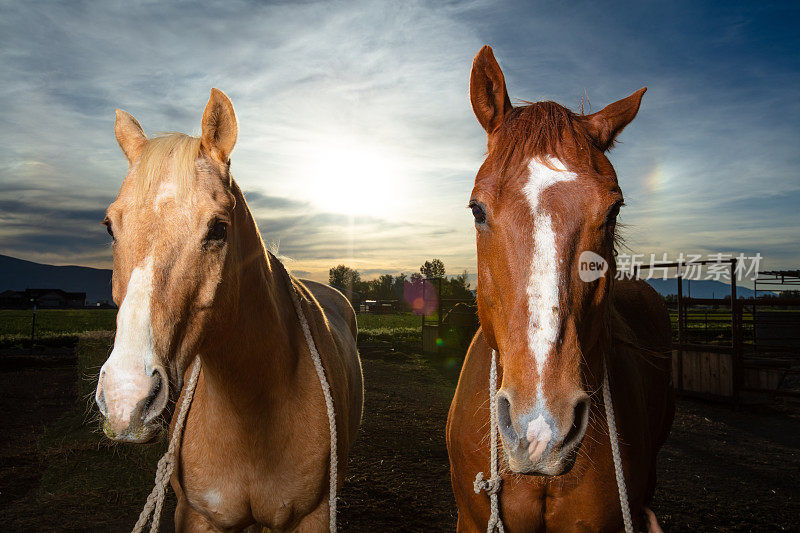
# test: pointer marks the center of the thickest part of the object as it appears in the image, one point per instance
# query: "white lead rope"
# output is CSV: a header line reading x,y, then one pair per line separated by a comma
x,y
166,465
492,485
612,435
326,391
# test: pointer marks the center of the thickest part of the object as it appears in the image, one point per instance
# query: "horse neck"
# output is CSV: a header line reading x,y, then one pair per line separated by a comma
x,y
252,354
597,343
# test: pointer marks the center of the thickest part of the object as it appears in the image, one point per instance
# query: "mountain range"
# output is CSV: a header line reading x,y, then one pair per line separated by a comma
x,y
18,275
707,288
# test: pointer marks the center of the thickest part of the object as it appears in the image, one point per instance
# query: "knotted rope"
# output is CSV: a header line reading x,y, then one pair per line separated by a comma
x,y
492,485
326,391
166,465
612,435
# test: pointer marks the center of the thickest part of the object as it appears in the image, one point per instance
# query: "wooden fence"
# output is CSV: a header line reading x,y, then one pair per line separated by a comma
x,y
723,347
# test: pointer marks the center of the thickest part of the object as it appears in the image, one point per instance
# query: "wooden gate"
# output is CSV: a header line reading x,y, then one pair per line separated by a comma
x,y
725,346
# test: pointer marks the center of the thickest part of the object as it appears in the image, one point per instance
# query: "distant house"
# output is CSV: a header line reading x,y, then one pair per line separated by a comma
x,y
379,307
44,298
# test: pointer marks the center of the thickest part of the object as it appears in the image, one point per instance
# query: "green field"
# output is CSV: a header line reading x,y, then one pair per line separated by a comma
x,y
53,322
399,320
401,328
712,326
56,321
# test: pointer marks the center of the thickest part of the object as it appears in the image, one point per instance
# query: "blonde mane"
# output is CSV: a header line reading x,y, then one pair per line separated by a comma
x,y
172,155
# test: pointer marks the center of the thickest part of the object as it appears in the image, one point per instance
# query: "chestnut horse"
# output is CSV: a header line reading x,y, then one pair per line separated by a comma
x,y
192,276
546,194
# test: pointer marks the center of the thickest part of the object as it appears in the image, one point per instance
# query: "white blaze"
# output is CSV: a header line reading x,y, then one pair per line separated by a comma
x,y
542,290
125,376
166,192
538,435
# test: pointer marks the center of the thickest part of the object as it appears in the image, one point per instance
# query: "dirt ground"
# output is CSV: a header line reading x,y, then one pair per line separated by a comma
x,y
723,469
728,469
28,403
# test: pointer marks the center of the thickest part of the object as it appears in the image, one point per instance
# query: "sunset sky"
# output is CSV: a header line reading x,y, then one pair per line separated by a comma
x,y
357,143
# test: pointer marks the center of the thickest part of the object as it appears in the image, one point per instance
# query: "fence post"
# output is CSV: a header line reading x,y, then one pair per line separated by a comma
x,y
439,334
736,345
753,319
680,329
33,325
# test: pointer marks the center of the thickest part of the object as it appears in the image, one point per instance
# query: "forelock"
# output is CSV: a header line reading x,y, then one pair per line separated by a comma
x,y
171,156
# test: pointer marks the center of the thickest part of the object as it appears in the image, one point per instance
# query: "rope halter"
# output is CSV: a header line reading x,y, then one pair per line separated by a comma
x,y
492,485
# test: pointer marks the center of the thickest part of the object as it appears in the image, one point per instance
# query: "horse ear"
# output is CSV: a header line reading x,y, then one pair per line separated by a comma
x,y
487,90
220,127
130,136
606,124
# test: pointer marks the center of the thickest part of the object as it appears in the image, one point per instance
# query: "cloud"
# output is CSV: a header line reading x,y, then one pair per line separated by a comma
x,y
258,200
301,77
711,159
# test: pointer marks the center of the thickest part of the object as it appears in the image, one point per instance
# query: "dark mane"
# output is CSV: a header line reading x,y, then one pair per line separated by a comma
x,y
542,129
539,129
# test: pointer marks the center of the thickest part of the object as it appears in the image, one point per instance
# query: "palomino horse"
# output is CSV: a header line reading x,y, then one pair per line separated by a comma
x,y
545,194
192,276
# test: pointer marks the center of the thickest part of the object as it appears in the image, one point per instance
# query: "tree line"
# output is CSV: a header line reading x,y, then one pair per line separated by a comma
x,y
388,287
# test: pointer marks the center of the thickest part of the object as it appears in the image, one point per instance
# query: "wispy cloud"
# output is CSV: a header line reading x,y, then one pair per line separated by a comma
x,y
710,160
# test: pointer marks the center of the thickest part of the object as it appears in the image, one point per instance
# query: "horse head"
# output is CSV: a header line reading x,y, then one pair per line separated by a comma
x,y
175,227
545,204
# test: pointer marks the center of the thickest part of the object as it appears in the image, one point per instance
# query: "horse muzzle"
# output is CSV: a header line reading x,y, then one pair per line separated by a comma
x,y
534,442
131,403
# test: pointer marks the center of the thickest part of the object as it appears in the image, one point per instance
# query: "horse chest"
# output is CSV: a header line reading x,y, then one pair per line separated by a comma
x,y
233,491
534,504
233,475
214,486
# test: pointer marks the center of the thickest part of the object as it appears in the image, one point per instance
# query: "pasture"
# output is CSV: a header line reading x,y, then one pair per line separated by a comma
x,y
722,469
17,322
15,325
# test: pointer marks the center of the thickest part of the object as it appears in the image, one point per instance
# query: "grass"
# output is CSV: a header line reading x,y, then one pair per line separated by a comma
x,y
398,320
56,321
404,330
710,327
70,321
15,325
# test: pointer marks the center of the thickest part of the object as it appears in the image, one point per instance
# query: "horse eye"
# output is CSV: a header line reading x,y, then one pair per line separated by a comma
x,y
611,218
107,224
478,213
217,232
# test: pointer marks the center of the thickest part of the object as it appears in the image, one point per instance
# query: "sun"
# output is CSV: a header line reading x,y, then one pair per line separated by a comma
x,y
355,179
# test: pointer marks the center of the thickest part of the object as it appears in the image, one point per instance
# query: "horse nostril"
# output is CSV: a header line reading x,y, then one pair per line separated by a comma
x,y
580,420
99,397
504,417
156,385
157,399
100,400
